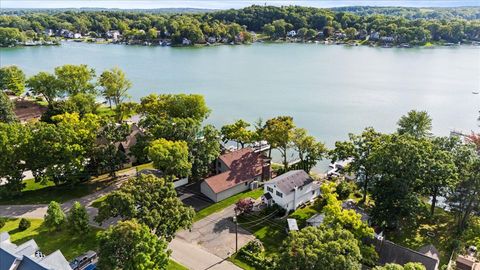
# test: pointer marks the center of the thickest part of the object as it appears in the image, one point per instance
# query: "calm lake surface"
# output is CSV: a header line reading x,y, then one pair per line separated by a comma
x,y
330,90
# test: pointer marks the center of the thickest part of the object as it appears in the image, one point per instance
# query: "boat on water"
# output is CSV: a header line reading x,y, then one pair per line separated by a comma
x,y
475,93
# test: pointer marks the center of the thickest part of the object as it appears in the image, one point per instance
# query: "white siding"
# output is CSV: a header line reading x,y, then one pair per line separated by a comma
x,y
207,191
287,200
233,191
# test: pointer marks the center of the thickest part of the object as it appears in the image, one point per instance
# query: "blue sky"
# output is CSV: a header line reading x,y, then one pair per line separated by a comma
x,y
216,4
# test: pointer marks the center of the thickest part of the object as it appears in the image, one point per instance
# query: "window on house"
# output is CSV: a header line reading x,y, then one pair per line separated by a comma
x,y
246,183
313,192
279,194
301,188
269,189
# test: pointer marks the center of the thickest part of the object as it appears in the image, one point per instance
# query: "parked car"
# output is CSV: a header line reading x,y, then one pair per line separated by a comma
x,y
85,261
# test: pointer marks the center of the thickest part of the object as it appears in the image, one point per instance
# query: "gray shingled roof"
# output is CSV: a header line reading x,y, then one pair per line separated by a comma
x,y
289,180
390,252
28,256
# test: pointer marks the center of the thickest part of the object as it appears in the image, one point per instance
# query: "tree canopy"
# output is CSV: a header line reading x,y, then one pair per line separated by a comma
x,y
130,245
152,201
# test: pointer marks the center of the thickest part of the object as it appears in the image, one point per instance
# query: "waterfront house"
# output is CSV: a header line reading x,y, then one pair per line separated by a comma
x,y
77,35
186,41
374,35
211,40
292,33
49,32
27,256
387,39
290,190
236,172
113,34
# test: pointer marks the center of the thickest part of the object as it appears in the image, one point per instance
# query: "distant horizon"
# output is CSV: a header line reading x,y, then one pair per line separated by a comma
x,y
227,4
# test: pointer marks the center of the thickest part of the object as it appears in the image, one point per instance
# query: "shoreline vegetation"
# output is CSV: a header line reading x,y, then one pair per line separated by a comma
x,y
378,27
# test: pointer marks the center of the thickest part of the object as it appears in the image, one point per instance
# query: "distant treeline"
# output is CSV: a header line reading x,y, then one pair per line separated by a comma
x,y
400,25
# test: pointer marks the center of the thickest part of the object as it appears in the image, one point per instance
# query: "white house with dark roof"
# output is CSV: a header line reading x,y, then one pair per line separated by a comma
x,y
290,190
28,257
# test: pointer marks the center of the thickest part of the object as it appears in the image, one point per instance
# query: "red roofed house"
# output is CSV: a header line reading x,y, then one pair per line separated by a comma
x,y
235,173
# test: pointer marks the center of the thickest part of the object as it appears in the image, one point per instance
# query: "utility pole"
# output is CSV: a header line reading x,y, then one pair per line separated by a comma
x,y
236,231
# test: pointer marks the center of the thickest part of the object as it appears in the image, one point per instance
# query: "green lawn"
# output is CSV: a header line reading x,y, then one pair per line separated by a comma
x,y
216,207
439,231
98,201
173,265
35,193
71,245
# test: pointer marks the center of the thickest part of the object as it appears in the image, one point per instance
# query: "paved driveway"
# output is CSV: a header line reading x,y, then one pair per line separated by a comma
x,y
216,233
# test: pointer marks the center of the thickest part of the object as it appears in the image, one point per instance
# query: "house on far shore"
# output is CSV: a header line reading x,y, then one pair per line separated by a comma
x,y
28,256
237,171
290,190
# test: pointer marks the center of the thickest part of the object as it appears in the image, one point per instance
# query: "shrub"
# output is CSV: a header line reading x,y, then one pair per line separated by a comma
x,y
343,190
254,246
77,219
2,222
54,218
24,224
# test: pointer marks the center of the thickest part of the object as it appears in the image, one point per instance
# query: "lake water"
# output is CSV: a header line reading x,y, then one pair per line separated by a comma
x,y
330,90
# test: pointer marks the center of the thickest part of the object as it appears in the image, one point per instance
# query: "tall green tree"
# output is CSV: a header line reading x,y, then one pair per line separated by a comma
x,y
238,132
440,171
309,150
399,163
77,219
464,198
45,84
55,217
131,246
416,123
152,201
12,78
205,150
278,132
59,152
75,79
115,86
14,138
108,155
323,247
171,157
175,106
359,148
7,115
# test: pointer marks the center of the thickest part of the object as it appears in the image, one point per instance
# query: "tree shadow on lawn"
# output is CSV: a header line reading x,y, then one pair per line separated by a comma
x,y
60,194
438,230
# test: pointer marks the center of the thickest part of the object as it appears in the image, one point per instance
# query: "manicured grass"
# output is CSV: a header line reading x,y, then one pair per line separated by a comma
x,y
173,265
98,202
71,245
37,194
31,185
227,202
